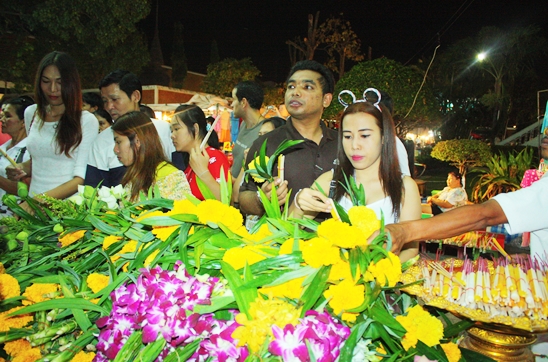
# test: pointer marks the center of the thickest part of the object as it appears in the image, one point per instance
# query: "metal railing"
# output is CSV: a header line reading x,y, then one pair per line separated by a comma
x,y
528,136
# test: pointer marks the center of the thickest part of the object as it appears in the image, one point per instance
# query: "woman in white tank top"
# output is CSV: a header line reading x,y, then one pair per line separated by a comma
x,y
367,151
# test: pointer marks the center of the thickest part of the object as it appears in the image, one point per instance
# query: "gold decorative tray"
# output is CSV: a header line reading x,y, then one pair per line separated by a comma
x,y
498,322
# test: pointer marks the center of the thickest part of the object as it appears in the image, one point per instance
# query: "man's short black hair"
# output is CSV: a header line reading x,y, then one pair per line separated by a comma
x,y
251,91
127,81
327,80
147,110
93,99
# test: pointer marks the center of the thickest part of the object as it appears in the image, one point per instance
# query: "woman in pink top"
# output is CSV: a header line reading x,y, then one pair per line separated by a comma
x,y
188,129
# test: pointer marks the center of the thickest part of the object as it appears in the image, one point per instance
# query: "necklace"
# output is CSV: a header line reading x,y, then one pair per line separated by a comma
x,y
49,112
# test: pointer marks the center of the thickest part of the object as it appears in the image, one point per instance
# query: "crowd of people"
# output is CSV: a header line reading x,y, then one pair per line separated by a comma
x,y
67,139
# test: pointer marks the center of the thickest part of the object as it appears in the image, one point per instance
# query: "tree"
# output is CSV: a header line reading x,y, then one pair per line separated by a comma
x,y
178,58
401,82
223,76
504,79
273,95
462,154
100,35
340,39
307,46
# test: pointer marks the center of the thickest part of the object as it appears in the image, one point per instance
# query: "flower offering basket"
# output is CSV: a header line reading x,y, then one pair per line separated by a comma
x,y
506,298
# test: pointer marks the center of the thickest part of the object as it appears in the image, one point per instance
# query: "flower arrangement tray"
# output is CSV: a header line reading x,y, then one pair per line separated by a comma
x,y
502,323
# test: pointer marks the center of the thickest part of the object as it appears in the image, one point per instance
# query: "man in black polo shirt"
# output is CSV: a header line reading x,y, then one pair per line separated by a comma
x,y
310,87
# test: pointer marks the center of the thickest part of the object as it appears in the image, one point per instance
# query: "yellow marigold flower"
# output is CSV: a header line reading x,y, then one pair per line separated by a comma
x,y
72,237
364,219
30,355
319,251
349,317
9,287
109,240
16,347
420,326
2,269
251,166
287,246
238,257
410,339
262,233
150,258
345,295
215,212
97,282
129,247
341,234
341,271
380,349
39,292
182,207
13,322
164,232
291,289
83,357
242,231
452,351
2,360
264,314
386,271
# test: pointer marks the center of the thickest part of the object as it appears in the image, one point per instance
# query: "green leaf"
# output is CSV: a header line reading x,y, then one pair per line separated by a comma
x,y
103,227
182,354
206,192
473,356
379,313
217,303
454,329
243,296
430,352
151,350
356,334
226,187
315,289
62,303
130,348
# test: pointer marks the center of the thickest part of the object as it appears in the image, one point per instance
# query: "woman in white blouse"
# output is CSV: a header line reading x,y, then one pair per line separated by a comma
x,y
13,124
60,134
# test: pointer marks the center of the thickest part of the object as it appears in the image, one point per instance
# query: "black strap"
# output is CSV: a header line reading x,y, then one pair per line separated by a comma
x,y
332,186
20,155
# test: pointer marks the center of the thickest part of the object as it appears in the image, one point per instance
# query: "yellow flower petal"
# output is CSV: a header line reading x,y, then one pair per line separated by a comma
x,y
452,351
109,240
9,287
341,234
97,282
320,251
386,271
39,292
71,238
239,256
345,295
365,219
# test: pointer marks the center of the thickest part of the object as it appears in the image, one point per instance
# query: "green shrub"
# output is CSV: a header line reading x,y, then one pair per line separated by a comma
x,y
462,154
503,174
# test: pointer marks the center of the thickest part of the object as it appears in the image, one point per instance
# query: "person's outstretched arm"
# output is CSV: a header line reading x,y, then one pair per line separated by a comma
x,y
448,224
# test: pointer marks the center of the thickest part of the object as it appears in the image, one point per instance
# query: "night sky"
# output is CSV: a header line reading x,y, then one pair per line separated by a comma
x,y
403,30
